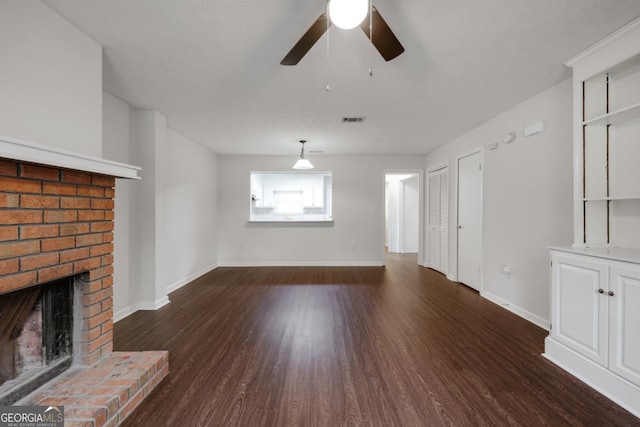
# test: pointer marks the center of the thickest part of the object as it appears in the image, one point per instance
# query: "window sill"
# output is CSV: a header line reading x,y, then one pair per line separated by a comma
x,y
287,221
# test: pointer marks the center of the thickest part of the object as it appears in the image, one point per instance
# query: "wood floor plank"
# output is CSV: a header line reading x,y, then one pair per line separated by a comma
x,y
370,346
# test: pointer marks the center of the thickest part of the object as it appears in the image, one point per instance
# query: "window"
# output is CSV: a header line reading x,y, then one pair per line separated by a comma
x,y
291,196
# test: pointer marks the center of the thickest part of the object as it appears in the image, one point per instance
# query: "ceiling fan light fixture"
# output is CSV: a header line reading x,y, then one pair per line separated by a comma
x,y
348,14
302,163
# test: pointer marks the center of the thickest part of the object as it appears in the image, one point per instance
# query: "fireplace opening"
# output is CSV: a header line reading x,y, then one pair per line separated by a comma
x,y
36,337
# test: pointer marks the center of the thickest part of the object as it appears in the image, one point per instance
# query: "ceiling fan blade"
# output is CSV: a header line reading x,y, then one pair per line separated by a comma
x,y
306,42
383,38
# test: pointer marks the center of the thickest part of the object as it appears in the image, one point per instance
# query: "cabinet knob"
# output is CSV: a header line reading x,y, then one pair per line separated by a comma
x,y
611,293
601,291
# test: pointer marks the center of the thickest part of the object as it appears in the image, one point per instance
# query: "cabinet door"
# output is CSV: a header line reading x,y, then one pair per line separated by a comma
x,y
624,325
579,311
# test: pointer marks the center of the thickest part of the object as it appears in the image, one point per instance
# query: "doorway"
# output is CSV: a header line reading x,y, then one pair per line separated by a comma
x,y
402,212
469,226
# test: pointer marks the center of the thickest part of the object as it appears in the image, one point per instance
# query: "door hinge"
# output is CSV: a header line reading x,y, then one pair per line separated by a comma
x,y
551,262
480,166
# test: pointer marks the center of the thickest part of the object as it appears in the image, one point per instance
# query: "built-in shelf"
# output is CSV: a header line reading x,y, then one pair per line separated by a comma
x,y
596,199
16,149
616,117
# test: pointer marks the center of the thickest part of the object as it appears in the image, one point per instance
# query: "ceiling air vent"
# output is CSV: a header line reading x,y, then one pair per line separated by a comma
x,y
352,119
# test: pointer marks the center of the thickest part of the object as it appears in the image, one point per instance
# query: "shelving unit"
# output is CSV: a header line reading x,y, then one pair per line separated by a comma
x,y
610,150
595,283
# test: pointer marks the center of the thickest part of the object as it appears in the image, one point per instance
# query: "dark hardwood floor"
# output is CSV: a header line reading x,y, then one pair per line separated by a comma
x,y
371,346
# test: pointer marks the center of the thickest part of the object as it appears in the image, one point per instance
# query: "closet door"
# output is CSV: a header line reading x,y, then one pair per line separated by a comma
x,y
438,232
444,221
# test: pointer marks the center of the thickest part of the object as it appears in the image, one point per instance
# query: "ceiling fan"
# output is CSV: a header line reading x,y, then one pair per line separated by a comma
x,y
380,35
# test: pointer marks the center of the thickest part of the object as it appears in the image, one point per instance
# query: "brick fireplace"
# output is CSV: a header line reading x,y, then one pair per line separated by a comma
x,y
56,223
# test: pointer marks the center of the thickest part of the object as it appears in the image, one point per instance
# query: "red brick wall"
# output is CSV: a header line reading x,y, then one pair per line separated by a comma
x,y
56,223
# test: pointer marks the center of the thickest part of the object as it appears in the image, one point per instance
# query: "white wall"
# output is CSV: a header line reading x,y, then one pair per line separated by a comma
x,y
115,139
165,224
147,131
189,231
50,79
355,238
527,198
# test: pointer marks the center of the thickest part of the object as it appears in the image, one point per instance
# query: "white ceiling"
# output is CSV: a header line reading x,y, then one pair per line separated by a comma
x,y
213,67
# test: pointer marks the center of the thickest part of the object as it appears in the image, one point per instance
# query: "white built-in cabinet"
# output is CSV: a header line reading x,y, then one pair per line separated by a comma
x,y
596,310
595,283
579,310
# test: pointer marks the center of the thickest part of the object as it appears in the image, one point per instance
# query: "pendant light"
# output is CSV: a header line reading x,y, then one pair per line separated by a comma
x,y
348,14
302,163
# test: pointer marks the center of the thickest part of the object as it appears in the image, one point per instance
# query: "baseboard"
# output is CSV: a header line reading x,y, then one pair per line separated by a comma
x,y
452,278
180,283
301,264
121,314
533,318
143,305
434,268
616,388
154,305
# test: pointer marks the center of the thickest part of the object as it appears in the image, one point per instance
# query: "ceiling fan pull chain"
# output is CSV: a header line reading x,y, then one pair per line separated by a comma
x,y
371,38
327,87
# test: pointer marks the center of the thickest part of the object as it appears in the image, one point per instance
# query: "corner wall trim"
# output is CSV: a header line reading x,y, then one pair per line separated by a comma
x,y
143,305
533,318
121,314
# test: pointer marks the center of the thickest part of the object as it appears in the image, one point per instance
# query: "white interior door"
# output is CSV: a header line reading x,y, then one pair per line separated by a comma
x,y
469,225
438,233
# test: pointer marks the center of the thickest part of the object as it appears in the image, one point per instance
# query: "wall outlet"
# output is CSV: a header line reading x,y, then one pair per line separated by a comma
x,y
243,248
353,245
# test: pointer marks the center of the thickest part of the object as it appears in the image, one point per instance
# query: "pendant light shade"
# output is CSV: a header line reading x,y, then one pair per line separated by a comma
x,y
302,163
348,14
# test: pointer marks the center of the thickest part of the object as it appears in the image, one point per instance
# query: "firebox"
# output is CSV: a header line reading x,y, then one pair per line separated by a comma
x,y
36,337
